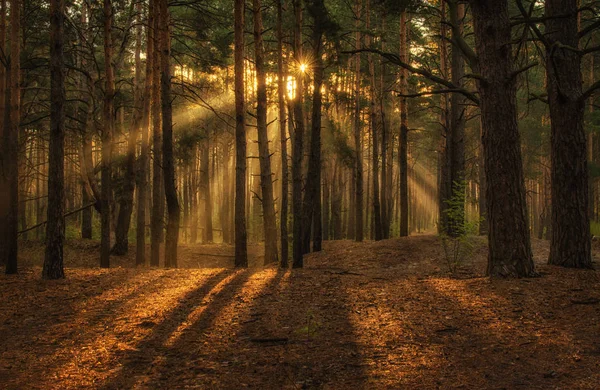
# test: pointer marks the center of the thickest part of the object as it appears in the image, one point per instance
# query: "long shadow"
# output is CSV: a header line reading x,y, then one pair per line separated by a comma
x,y
152,354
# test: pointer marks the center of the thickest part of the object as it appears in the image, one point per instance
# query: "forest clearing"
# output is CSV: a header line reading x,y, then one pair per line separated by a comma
x,y
359,315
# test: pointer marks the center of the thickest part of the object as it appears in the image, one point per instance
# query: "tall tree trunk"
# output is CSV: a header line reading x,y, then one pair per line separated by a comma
x,y
298,142
483,218
358,163
142,173
158,202
403,141
508,237
55,227
570,245
455,140
121,246
444,182
107,135
173,208
10,186
281,86
377,215
266,178
313,178
241,235
204,171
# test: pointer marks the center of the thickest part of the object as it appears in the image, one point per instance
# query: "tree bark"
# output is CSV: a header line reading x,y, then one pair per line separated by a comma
x,y
107,135
298,142
570,245
158,202
266,178
55,228
173,208
142,172
358,167
241,235
121,246
403,141
508,237
281,87
204,171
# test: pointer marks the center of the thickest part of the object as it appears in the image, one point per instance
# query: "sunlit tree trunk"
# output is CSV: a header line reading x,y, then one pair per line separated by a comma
x,y
403,141
107,134
266,179
508,238
298,141
55,227
173,208
281,87
241,236
570,245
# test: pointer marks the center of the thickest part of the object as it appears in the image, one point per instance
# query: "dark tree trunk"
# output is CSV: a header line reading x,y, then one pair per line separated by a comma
x,y
403,141
508,237
9,188
298,143
55,227
241,236
281,86
570,245
121,246
142,173
455,139
86,215
266,178
107,135
377,214
173,208
311,205
358,163
158,202
483,218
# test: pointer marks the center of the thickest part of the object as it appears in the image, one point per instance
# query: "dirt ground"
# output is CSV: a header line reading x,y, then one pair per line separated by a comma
x,y
359,316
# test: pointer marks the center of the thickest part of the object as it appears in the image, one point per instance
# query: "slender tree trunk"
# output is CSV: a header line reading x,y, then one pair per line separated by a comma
x,y
570,245
241,236
173,208
298,142
107,134
455,140
313,178
9,188
204,171
121,246
158,204
266,178
444,181
508,238
281,86
483,218
403,142
377,215
358,167
55,228
142,173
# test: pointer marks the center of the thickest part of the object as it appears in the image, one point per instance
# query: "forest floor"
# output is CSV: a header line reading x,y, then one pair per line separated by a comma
x,y
372,315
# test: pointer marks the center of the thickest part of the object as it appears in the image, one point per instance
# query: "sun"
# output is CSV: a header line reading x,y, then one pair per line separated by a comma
x,y
303,68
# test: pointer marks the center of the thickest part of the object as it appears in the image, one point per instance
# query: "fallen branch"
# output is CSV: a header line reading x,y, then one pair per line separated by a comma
x,y
64,216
